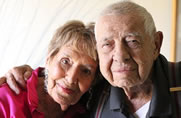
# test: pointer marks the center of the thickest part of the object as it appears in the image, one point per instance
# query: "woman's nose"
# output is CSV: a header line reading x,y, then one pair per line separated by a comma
x,y
72,75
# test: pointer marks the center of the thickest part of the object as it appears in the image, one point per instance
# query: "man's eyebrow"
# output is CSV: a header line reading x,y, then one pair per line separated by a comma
x,y
107,38
132,34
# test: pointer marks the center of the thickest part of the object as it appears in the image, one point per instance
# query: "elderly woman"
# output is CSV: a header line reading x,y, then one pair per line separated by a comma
x,y
70,69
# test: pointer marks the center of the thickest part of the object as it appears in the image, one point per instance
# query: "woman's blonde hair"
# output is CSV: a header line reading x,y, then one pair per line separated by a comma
x,y
77,35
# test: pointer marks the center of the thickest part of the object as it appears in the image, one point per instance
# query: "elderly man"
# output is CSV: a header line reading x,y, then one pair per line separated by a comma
x,y
141,83
139,78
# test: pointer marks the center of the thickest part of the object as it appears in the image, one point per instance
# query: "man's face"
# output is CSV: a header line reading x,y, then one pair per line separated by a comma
x,y
126,52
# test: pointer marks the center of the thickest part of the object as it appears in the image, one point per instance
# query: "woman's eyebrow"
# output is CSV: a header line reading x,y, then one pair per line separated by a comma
x,y
89,66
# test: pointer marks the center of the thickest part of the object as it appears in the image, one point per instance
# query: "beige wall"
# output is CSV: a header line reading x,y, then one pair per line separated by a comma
x,y
26,26
178,52
161,11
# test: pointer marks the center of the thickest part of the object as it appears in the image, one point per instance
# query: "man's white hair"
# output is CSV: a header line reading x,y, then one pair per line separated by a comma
x,y
127,7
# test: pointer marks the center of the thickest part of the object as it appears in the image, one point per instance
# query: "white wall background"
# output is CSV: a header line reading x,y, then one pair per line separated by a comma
x,y
26,26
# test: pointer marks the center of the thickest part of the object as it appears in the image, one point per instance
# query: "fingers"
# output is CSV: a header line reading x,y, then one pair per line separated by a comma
x,y
27,72
21,74
2,80
17,76
27,75
12,83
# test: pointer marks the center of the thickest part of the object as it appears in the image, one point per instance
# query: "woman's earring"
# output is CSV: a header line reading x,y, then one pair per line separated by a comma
x,y
46,79
46,73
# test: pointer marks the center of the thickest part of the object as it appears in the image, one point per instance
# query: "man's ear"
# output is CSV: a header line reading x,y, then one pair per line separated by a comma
x,y
158,42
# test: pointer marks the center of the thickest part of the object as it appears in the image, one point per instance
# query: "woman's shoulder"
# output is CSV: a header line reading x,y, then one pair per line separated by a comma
x,y
10,101
76,111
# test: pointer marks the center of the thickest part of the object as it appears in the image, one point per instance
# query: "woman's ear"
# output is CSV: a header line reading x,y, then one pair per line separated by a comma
x,y
47,61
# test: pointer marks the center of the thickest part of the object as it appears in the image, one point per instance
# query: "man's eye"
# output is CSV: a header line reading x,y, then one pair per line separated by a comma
x,y
106,45
133,43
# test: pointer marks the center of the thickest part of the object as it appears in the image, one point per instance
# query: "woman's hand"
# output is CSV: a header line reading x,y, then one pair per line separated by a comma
x,y
16,77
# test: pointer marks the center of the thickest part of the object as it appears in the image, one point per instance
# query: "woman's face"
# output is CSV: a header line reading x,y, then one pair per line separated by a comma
x,y
70,74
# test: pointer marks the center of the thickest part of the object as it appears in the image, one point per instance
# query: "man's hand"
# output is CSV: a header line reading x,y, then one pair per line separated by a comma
x,y
16,77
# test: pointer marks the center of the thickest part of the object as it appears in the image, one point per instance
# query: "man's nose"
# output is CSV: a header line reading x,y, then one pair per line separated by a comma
x,y
121,52
72,75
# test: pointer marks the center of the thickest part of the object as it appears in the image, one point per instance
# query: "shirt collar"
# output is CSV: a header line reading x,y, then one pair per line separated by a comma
x,y
117,98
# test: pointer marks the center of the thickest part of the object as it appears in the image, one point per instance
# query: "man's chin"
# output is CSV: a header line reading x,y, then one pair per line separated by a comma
x,y
122,84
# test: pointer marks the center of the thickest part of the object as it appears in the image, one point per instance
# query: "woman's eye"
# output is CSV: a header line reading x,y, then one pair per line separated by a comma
x,y
65,61
86,71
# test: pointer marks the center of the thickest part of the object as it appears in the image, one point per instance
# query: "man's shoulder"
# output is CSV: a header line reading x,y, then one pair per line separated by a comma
x,y
175,86
174,75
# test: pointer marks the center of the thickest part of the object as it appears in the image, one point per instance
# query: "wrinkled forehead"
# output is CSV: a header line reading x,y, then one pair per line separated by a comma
x,y
118,24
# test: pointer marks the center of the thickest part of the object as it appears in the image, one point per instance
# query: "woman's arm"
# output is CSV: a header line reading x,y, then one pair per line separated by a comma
x,y
16,77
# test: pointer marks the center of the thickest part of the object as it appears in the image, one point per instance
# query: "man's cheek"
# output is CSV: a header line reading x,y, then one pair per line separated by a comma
x,y
105,65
